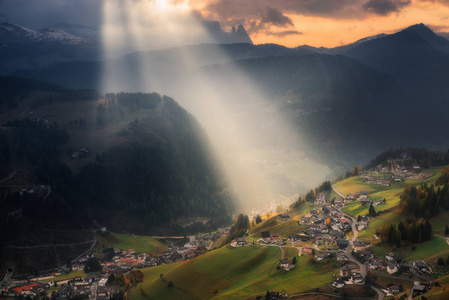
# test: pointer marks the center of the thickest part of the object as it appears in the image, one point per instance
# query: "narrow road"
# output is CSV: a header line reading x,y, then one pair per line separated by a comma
x,y
380,294
340,194
88,250
282,252
444,237
355,234
10,176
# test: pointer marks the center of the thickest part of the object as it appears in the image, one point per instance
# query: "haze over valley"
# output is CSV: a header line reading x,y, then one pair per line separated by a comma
x,y
167,130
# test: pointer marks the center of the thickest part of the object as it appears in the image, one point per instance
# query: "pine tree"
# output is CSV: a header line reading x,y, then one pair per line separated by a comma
x,y
372,211
446,230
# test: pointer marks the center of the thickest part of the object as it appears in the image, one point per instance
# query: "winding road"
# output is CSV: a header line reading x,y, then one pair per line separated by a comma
x,y
355,234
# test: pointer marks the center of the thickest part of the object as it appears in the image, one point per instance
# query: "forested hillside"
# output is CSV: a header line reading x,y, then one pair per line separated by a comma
x,y
160,171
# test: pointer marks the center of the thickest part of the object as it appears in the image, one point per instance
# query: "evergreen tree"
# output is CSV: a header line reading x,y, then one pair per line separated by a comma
x,y
446,230
372,211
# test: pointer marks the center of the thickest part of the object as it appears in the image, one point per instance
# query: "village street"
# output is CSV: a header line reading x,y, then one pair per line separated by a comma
x,y
348,253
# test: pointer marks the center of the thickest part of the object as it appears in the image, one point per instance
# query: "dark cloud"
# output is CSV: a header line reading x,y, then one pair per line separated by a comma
x,y
260,15
276,17
42,13
385,7
283,33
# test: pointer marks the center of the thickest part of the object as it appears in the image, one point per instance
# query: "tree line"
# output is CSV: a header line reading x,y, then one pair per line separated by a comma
x,y
424,200
412,230
325,186
423,157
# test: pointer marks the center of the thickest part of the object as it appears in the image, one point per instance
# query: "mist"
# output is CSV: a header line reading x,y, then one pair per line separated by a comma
x,y
250,136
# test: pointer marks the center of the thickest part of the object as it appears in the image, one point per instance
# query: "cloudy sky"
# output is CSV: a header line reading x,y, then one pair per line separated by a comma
x,y
288,22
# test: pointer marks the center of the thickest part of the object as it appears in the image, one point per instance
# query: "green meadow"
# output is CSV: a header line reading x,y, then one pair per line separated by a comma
x,y
142,244
71,275
244,273
422,251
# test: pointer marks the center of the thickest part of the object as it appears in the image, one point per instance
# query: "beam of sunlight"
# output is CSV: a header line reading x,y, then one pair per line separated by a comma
x,y
237,116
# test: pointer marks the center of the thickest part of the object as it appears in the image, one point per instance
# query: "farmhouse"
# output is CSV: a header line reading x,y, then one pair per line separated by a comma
x,y
284,217
393,290
241,241
342,244
421,266
361,245
307,249
286,265
356,278
338,283
341,256
275,238
321,256
389,256
305,220
365,201
392,268
346,270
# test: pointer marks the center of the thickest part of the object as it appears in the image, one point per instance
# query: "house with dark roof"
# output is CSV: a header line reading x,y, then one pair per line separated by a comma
x,y
346,270
392,268
393,290
338,283
342,244
284,217
359,245
421,266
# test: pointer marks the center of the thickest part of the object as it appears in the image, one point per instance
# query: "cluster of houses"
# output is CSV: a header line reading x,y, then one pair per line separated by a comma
x,y
33,190
89,287
121,261
320,199
82,152
370,179
399,168
363,199
326,225
396,167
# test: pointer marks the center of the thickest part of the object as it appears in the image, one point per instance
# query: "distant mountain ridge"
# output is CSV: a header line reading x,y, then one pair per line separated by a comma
x,y
412,106
238,35
25,48
15,34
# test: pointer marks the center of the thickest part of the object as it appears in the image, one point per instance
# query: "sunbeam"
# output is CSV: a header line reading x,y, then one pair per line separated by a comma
x,y
238,117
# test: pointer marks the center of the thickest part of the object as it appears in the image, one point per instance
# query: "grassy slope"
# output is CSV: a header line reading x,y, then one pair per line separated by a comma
x,y
423,251
275,225
357,184
70,275
126,241
289,252
435,247
244,272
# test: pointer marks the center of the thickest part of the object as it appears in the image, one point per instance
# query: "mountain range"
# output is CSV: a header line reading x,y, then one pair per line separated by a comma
x,y
23,48
384,91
